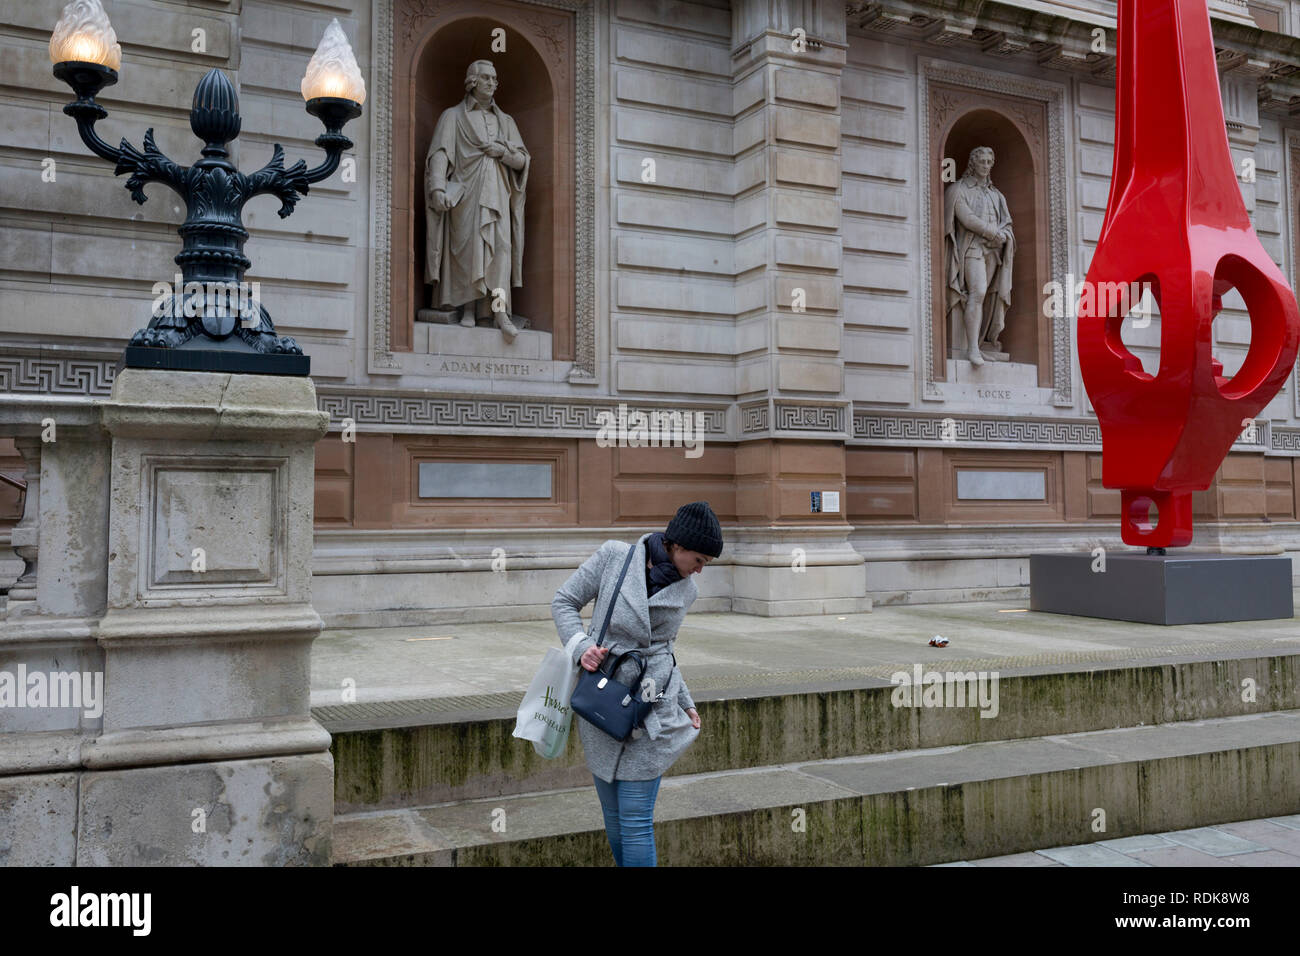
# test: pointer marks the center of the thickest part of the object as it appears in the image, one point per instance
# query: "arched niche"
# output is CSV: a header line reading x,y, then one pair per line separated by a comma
x,y
536,90
1013,129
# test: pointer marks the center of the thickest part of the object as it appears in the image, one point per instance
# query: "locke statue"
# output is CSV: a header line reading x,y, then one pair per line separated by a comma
x,y
475,177
980,247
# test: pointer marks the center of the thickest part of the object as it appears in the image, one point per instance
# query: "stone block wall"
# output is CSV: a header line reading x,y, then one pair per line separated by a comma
x,y
674,181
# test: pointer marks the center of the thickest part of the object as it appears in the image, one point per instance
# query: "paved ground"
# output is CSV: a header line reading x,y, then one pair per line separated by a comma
x,y
1274,841
725,651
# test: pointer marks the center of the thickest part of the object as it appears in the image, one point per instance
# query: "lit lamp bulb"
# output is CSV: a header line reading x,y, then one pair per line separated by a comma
x,y
84,35
332,72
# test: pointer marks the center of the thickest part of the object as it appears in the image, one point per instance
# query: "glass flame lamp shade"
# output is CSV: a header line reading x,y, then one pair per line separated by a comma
x,y
332,73
84,35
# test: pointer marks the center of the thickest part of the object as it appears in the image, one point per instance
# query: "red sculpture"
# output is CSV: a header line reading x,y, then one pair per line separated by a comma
x,y
1175,221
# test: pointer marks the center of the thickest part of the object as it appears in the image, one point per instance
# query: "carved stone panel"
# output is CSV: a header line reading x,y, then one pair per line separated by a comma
x,y
229,517
216,526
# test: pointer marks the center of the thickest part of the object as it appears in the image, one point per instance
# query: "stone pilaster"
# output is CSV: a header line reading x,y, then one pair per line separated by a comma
x,y
786,64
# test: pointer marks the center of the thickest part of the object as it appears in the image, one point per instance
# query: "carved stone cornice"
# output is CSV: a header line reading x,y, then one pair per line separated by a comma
x,y
424,411
877,427
914,429
457,413
1068,40
56,371
793,418
1279,90
1284,440
998,29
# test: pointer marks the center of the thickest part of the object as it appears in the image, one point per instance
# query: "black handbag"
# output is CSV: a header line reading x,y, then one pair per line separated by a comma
x,y
599,699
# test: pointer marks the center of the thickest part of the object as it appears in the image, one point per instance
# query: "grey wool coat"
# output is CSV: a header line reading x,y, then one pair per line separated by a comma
x,y
638,623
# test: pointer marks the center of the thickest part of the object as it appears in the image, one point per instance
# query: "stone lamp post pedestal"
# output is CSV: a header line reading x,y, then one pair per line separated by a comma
x,y
194,583
208,629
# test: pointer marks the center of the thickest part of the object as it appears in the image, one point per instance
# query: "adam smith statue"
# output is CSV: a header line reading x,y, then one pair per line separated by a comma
x,y
475,177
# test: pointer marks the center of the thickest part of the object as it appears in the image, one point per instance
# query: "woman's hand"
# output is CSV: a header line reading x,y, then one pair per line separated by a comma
x,y
695,717
592,657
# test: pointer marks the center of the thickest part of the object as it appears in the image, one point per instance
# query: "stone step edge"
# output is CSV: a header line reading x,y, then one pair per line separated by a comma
x,y
421,711
1082,772
421,765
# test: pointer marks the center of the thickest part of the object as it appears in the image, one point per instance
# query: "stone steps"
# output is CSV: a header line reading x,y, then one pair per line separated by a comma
x,y
412,753
909,807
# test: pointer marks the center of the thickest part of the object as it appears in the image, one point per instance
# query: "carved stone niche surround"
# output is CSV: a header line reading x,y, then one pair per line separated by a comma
x,y
561,35
1036,109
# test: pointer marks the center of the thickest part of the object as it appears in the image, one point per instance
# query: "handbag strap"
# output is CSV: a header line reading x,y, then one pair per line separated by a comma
x,y
609,611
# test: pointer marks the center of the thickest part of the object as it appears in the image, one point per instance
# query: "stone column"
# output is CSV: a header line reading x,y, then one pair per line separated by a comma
x,y
208,753
786,64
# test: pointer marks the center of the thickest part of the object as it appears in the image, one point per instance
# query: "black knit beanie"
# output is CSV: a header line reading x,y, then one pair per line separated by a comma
x,y
695,527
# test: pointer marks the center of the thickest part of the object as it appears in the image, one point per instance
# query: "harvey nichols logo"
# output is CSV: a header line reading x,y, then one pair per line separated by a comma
x,y
551,702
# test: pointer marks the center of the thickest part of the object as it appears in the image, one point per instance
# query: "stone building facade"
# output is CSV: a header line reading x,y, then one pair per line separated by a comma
x,y
734,217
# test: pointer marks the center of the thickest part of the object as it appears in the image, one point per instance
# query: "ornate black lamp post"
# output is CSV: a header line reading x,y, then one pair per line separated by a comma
x,y
212,324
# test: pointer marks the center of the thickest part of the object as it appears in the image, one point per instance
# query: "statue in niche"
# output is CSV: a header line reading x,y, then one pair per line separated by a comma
x,y
980,247
476,174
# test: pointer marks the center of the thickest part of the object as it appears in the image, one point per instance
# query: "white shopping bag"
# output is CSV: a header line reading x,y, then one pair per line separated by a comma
x,y
544,716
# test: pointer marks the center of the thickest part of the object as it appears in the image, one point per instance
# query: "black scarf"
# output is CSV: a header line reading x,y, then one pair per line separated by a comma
x,y
662,571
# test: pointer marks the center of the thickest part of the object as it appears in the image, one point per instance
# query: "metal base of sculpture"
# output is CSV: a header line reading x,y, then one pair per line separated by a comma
x,y
1179,588
209,359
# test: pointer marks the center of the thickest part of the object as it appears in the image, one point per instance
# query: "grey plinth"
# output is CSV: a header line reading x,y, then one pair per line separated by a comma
x,y
1163,589
208,629
175,542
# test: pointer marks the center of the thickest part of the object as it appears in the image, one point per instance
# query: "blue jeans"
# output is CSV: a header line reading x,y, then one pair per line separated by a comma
x,y
629,807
